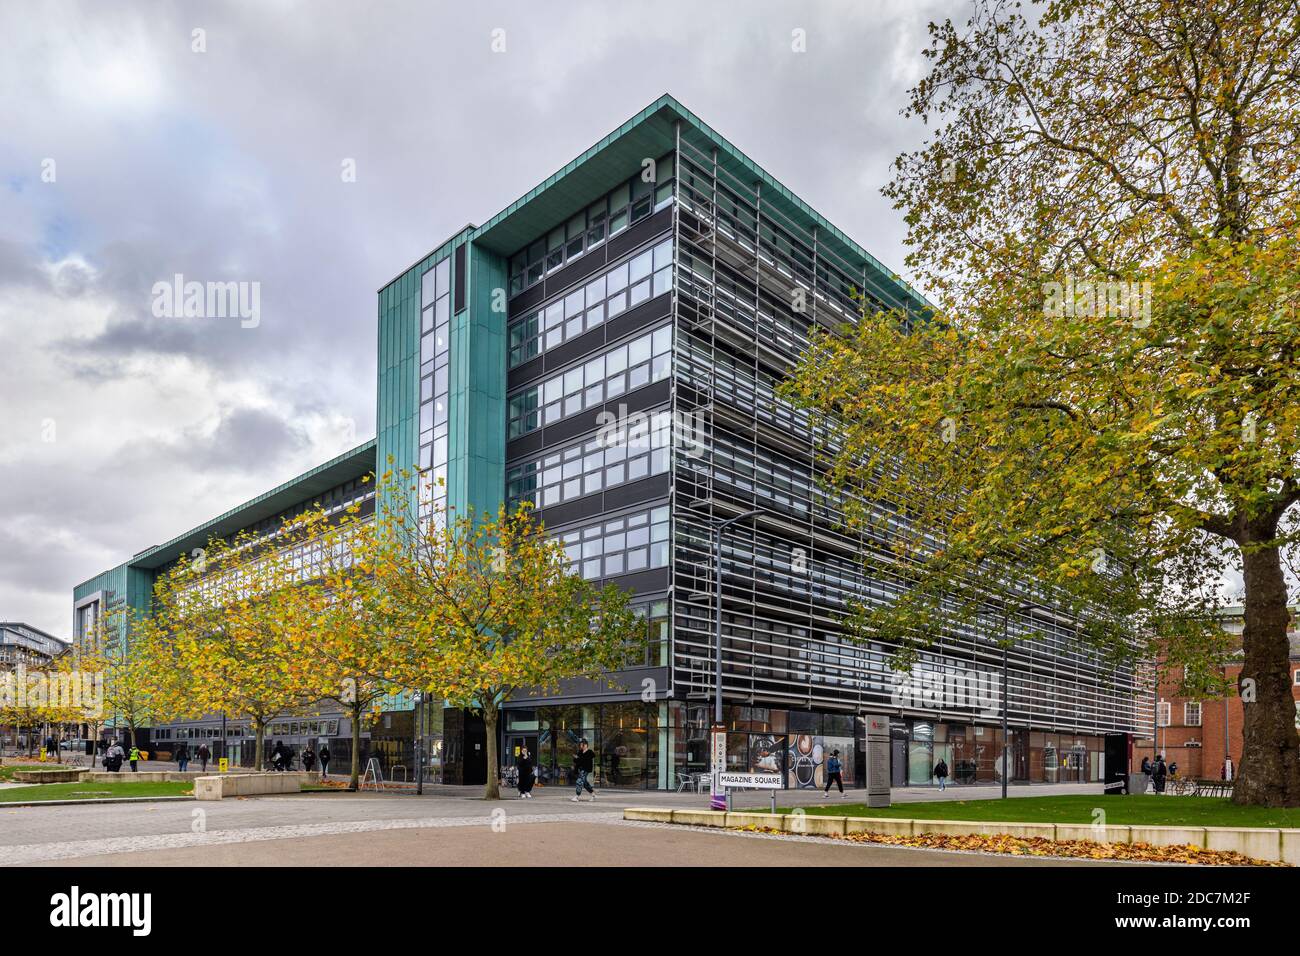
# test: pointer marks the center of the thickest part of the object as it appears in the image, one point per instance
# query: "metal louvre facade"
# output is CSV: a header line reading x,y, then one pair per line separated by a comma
x,y
788,575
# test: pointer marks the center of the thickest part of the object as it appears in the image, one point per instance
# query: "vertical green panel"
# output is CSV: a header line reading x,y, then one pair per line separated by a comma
x,y
477,440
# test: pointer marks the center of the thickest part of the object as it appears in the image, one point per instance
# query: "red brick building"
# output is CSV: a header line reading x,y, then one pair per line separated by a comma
x,y
1195,734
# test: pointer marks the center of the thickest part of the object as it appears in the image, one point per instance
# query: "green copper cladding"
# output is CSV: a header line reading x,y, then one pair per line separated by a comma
x,y
125,589
477,446
477,370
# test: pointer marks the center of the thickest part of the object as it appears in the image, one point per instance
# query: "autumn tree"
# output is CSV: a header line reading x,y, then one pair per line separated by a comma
x,y
489,608
1105,211
46,697
233,627
133,687
353,623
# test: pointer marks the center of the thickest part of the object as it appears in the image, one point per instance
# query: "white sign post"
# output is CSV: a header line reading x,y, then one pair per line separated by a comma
x,y
752,781
718,751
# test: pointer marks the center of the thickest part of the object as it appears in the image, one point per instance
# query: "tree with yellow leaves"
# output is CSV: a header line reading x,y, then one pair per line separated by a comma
x,y
484,607
33,699
1106,398
231,628
353,623
133,687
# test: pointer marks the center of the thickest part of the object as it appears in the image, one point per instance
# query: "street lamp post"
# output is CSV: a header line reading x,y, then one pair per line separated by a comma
x,y
1006,735
718,801
418,742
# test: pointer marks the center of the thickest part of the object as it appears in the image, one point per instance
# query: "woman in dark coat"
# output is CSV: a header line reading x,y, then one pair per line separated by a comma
x,y
308,758
527,773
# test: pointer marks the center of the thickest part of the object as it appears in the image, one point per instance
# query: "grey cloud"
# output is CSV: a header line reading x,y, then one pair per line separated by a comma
x,y
226,165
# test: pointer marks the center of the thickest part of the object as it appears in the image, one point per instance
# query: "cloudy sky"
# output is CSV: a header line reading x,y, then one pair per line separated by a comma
x,y
133,148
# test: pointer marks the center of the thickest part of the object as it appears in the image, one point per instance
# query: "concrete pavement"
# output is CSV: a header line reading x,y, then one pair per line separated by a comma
x,y
446,826
608,842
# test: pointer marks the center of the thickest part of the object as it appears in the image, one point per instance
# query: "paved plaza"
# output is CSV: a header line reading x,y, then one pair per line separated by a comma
x,y
448,826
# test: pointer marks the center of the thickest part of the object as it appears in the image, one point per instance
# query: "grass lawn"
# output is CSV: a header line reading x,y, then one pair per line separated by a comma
x,y
1132,809
7,769
92,791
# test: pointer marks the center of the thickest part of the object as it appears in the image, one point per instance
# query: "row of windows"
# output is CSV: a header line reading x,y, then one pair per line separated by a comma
x,y
622,369
628,203
624,286
299,563
435,356
609,459
623,545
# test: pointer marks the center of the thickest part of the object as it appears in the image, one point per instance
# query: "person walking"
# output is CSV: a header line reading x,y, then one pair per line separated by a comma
x,y
584,765
834,773
308,758
1159,773
182,756
324,757
113,758
941,773
135,756
203,753
527,773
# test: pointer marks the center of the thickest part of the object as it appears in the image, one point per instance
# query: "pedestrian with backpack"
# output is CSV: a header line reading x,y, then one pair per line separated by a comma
x,y
834,773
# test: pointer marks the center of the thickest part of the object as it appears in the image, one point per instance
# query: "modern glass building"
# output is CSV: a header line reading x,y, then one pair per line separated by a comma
x,y
607,347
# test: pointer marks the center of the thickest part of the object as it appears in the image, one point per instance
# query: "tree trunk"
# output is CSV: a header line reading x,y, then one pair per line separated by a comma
x,y
492,791
354,709
259,738
1269,771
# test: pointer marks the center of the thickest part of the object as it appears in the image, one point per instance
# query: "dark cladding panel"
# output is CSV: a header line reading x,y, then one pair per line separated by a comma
x,y
458,286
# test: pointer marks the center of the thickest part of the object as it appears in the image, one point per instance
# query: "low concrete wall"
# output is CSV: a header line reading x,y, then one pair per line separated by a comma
x,y
141,776
1256,843
812,824
46,776
753,818
1289,849
700,818
649,815
1168,836
889,826
251,784
1093,834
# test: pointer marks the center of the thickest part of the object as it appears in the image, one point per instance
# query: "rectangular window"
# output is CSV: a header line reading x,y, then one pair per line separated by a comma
x,y
644,359
1192,713
584,308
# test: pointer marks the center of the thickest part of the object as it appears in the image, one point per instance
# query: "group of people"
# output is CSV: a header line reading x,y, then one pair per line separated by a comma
x,y
584,768
182,756
282,758
115,755
1159,771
